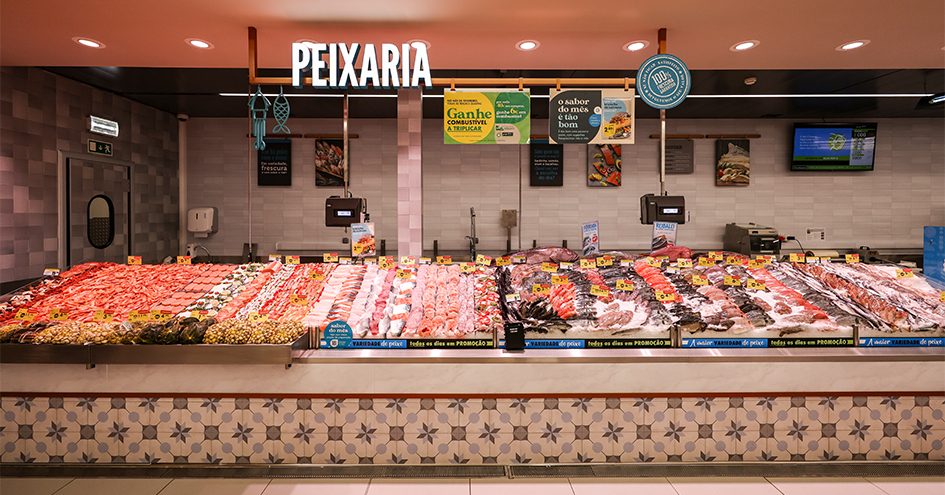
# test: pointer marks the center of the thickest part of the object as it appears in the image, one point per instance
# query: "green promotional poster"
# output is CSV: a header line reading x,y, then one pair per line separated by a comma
x,y
479,116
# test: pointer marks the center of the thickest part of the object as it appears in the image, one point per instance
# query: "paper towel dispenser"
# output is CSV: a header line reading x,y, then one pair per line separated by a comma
x,y
202,221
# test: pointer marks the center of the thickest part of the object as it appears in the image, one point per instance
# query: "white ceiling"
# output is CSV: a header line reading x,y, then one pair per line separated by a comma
x,y
589,34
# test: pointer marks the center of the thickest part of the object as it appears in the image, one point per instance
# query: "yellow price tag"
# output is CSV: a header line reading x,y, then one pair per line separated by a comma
x,y
292,260
600,290
626,263
297,299
756,264
136,316
385,264
665,296
503,261
316,275
684,263
588,264
853,258
344,260
274,257
610,129
425,261
404,273
700,280
102,315
796,258
58,315
183,260
519,260
549,267
651,261
716,255
24,315
482,259
755,284
904,273
559,280
564,265
512,297
733,260
825,259
370,261
257,318
624,285
467,267
159,316
706,262
200,315
540,288
941,296
51,272
732,281
408,260
444,260
330,257
134,260
605,261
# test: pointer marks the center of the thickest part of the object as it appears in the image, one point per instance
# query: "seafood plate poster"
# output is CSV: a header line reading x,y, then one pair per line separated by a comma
x,y
733,162
329,163
362,239
603,165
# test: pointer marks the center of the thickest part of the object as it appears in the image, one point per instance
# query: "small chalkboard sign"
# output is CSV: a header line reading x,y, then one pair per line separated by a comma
x,y
274,164
547,165
514,336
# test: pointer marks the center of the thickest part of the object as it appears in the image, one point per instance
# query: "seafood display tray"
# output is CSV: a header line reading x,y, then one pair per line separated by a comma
x,y
153,354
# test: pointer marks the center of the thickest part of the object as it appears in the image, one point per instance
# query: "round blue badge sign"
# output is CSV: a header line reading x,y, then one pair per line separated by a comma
x,y
337,335
663,81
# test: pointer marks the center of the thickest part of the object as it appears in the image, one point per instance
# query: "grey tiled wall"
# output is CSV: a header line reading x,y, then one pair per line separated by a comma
x,y
885,208
41,114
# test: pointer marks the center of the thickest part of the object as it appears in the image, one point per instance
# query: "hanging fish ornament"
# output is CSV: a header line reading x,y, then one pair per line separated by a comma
x,y
280,111
259,118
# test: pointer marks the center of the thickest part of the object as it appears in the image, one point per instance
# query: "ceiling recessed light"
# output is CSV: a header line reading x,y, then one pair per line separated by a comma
x,y
306,40
749,81
744,45
199,43
418,40
634,46
89,42
852,45
527,45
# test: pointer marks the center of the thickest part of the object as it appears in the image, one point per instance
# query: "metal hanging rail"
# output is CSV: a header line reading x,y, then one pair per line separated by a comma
x,y
452,82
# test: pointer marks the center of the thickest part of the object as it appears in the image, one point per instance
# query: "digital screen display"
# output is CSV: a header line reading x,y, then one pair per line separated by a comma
x,y
344,213
833,146
669,211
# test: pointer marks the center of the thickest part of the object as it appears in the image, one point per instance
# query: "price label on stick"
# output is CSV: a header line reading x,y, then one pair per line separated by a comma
x,y
467,267
58,315
408,260
853,258
684,263
134,260
513,297
625,285
103,316
600,290
665,296
297,299
200,315
797,258
257,318
24,315
403,273
559,280
549,267
344,261
733,260
651,261
904,273
330,257
755,264
136,316
519,260
626,263
941,296
706,262
426,261
385,264
605,261
160,316
183,260
51,272
755,284
503,261
444,260
732,281
540,288
716,255
275,257
316,275
370,261
564,265
700,280
292,260
482,259
588,264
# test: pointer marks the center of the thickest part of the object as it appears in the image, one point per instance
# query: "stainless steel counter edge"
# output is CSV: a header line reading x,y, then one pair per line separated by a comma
x,y
497,356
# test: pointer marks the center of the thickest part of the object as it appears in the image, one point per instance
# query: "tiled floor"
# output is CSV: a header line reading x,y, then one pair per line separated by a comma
x,y
576,486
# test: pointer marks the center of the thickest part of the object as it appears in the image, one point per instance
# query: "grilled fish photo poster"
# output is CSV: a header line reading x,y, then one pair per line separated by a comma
x,y
603,165
733,162
329,154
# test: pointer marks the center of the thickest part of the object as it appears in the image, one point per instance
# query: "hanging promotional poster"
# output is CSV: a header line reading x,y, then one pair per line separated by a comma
x,y
733,164
595,116
591,240
362,239
483,116
329,162
664,235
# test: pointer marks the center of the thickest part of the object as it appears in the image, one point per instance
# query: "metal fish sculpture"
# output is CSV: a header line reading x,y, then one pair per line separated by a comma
x,y
280,112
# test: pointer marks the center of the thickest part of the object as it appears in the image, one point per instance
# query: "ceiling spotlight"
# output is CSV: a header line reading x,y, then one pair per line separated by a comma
x,y
527,45
88,42
750,81
852,45
744,45
634,46
199,43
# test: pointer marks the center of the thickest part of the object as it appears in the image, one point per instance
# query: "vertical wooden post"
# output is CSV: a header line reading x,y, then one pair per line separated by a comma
x,y
662,40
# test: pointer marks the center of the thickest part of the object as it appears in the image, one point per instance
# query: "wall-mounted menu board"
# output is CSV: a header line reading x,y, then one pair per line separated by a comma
x,y
547,165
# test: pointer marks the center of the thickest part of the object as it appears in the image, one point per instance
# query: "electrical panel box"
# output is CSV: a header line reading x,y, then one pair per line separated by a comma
x,y
342,212
655,208
202,221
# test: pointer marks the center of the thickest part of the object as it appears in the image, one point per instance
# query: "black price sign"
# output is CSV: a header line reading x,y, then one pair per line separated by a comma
x,y
274,164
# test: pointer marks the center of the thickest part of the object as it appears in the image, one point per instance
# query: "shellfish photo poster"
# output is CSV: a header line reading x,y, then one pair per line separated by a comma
x,y
734,162
603,165
329,171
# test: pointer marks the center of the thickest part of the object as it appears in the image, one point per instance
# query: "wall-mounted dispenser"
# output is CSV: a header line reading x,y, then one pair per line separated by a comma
x,y
202,221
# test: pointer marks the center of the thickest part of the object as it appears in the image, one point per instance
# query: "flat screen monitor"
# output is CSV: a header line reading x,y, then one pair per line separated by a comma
x,y
833,146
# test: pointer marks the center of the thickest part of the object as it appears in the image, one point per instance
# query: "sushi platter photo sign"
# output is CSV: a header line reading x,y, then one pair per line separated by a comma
x,y
599,116
603,165
547,165
329,163
733,162
274,163
486,116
